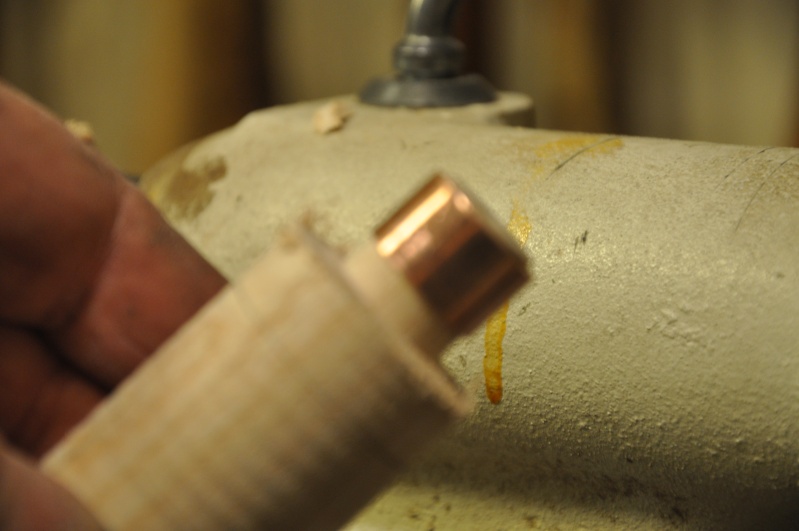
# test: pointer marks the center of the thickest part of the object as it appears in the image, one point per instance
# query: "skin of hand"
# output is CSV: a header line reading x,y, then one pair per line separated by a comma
x,y
92,281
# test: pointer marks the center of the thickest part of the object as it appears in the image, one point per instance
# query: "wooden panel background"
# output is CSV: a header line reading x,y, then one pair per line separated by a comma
x,y
151,75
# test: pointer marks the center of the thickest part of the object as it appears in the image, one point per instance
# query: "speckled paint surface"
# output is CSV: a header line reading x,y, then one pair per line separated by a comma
x,y
649,374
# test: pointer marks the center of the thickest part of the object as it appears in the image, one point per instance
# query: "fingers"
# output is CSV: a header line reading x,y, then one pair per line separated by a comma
x,y
41,398
84,258
151,282
92,280
58,204
29,501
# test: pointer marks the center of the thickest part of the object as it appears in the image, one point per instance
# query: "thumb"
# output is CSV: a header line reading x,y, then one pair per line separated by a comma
x,y
29,501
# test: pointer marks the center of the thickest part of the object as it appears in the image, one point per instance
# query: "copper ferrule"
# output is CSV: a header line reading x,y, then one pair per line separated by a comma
x,y
463,263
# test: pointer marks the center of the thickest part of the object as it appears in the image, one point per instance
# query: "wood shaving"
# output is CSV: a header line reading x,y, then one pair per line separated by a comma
x,y
80,130
330,117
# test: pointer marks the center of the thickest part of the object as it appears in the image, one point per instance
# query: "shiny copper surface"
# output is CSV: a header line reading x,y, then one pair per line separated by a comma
x,y
462,261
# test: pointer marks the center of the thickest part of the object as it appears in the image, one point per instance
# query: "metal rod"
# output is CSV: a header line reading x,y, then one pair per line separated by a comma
x,y
428,63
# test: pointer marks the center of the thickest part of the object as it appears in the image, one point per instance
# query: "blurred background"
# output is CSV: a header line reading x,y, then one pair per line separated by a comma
x,y
151,75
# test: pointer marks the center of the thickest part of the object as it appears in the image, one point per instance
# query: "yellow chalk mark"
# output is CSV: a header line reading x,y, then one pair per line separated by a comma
x,y
492,361
573,144
520,227
608,146
549,157
569,144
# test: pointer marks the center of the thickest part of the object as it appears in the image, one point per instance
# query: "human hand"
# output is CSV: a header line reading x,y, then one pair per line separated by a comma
x,y
92,280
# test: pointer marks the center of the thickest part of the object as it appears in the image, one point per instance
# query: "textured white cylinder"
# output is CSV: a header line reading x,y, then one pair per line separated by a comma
x,y
284,404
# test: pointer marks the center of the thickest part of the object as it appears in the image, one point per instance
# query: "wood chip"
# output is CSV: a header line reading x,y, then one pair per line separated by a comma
x,y
330,117
80,130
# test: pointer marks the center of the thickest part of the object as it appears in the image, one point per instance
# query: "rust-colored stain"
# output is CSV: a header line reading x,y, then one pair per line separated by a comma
x,y
549,158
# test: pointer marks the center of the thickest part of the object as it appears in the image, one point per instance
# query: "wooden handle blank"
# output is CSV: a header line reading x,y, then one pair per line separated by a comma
x,y
300,390
286,403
